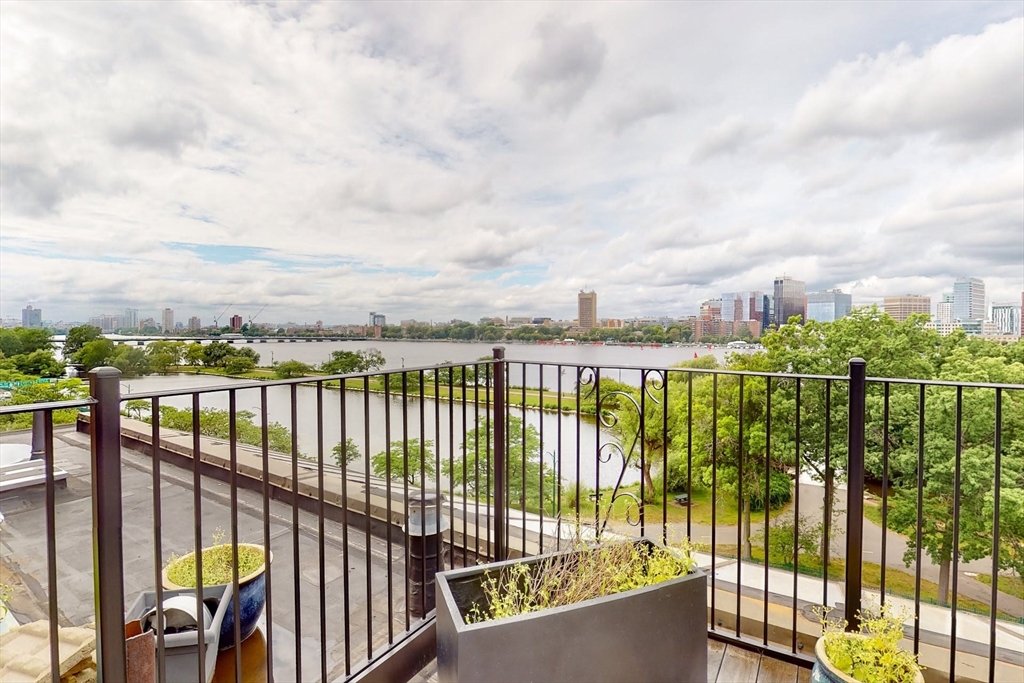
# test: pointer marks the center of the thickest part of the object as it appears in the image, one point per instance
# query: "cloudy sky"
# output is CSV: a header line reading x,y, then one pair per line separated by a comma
x,y
437,160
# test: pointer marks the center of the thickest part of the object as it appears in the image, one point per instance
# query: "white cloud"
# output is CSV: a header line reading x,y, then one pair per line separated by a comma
x,y
459,161
965,87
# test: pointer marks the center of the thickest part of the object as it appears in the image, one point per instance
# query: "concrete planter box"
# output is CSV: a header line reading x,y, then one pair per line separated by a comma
x,y
657,633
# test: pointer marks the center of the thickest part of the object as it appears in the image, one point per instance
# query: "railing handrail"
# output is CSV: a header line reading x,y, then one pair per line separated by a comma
x,y
308,379
46,406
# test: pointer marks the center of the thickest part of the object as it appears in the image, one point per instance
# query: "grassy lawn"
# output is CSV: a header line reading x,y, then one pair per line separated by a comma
x,y
897,582
1011,585
700,508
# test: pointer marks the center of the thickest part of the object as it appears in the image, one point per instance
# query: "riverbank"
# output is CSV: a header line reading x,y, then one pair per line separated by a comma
x,y
548,401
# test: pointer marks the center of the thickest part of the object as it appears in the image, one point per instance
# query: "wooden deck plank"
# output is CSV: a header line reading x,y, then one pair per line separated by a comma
x,y
776,671
803,675
739,666
716,651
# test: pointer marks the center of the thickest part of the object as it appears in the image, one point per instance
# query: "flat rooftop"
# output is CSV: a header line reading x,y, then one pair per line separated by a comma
x,y
23,556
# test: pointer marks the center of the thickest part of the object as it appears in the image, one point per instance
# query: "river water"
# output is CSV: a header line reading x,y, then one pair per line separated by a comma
x,y
560,441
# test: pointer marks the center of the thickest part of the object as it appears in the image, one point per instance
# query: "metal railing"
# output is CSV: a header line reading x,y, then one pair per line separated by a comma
x,y
520,458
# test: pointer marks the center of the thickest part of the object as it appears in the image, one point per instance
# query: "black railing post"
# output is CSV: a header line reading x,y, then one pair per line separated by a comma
x,y
855,491
107,553
498,406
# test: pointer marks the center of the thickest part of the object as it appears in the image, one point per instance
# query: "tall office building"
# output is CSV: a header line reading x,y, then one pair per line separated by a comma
x,y
194,323
31,317
944,309
828,306
734,306
790,300
587,302
167,320
900,308
968,299
131,318
1006,317
377,319
236,323
742,306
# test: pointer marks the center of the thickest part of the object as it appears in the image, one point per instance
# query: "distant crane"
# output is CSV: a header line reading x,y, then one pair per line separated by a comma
x,y
216,318
257,315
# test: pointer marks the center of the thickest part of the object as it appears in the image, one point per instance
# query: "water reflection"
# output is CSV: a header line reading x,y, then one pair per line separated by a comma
x,y
442,422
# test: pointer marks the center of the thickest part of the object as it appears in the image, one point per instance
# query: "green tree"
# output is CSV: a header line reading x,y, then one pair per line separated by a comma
x,y
130,360
239,365
292,368
475,469
346,362
216,353
216,423
349,453
412,382
977,469
78,337
39,362
405,460
95,353
194,354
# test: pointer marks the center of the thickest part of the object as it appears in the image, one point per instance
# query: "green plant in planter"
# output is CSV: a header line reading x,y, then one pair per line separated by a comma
x,y
873,655
217,564
589,572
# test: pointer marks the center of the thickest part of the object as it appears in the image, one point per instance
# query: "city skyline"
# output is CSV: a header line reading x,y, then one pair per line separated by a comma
x,y
550,148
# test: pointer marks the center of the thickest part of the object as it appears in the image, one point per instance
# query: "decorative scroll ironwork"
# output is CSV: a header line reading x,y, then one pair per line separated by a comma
x,y
608,418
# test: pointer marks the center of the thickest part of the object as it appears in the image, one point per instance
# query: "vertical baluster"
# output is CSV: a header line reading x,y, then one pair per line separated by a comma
x,y
265,444
296,594
597,449
796,517
320,527
158,561
558,464
994,601
405,489
233,483
342,408
522,490
664,462
476,460
451,461
740,538
826,543
422,492
499,453
714,493
955,571
51,543
540,414
920,520
387,505
885,485
465,470
368,520
107,549
855,492
197,520
767,497
689,452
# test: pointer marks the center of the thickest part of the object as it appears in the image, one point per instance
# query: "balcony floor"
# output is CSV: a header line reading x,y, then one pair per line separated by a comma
x,y
726,664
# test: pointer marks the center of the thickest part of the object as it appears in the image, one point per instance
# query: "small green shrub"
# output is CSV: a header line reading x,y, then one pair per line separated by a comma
x,y
589,572
217,564
873,655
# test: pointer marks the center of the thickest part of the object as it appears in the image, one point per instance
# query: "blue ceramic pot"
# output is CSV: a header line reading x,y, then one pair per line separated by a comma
x,y
252,596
